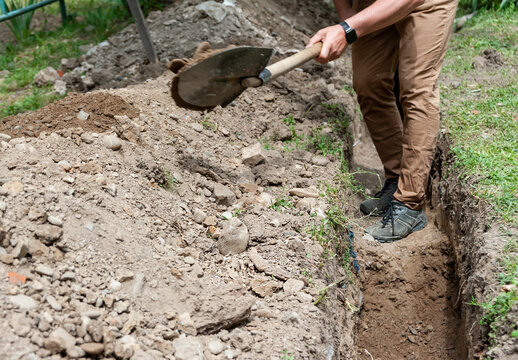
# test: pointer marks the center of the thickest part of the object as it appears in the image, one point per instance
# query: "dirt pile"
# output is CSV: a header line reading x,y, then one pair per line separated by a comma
x,y
96,112
177,31
166,245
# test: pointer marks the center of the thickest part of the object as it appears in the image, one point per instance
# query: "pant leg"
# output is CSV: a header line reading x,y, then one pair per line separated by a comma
x,y
374,58
424,36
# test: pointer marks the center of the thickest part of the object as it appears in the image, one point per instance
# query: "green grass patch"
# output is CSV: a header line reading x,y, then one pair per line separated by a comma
x,y
89,22
481,112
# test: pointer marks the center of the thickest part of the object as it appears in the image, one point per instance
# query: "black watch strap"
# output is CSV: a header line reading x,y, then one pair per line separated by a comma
x,y
350,33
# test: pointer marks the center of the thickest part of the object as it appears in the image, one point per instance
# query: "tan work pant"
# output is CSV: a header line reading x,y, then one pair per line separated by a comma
x,y
416,45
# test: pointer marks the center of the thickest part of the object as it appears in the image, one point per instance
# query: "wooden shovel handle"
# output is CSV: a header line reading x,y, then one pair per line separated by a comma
x,y
281,67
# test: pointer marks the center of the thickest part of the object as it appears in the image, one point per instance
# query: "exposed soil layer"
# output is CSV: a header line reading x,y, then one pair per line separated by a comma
x,y
477,250
409,297
65,114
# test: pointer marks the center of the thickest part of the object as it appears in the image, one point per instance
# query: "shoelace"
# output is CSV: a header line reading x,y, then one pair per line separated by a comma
x,y
392,213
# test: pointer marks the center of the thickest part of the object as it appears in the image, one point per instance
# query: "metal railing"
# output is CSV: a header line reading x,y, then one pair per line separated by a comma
x,y
8,15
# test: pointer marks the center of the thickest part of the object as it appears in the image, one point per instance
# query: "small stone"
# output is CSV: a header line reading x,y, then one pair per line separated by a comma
x,y
55,220
310,192
189,260
112,142
91,314
21,325
234,237
75,352
87,138
24,302
126,275
68,275
210,221
319,160
44,270
54,304
48,234
59,340
293,286
215,347
21,249
197,127
60,87
65,165
199,216
249,188
89,226
265,288
138,286
5,137
227,215
305,204
188,348
83,115
69,179
12,188
37,214
253,155
224,195
114,286
46,76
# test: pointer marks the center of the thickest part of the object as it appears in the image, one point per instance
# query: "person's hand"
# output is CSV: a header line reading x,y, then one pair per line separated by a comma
x,y
334,43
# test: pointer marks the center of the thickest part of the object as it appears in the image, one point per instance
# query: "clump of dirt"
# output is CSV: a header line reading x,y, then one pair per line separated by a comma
x,y
93,112
493,58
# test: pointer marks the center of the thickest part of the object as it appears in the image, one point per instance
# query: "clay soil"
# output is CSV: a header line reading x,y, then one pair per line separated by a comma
x,y
122,250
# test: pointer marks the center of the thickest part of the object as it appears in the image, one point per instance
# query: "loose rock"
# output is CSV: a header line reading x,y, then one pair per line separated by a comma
x,y
234,237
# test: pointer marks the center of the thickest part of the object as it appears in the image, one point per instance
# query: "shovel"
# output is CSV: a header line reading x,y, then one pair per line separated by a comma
x,y
220,78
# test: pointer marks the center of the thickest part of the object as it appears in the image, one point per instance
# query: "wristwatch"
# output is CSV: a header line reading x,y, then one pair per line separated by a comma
x,y
350,33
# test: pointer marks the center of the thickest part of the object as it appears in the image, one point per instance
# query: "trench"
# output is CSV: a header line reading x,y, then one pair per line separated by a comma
x,y
411,305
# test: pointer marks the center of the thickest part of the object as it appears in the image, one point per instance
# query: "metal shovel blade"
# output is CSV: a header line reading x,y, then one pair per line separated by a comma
x,y
216,80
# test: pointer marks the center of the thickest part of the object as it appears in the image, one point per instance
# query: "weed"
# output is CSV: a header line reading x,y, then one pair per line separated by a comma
x,y
19,25
287,355
36,99
307,274
267,143
281,203
324,143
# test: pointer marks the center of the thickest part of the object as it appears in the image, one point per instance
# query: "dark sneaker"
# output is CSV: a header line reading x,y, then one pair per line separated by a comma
x,y
398,222
381,201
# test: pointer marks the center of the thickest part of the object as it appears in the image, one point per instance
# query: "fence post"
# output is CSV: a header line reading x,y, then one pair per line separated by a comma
x,y
136,12
63,10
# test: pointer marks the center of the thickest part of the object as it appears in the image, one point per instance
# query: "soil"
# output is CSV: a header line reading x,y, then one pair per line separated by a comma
x,y
63,114
117,226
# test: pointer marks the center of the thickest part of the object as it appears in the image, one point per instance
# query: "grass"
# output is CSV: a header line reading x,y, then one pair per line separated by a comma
x,y
326,144
480,115
281,203
89,22
482,111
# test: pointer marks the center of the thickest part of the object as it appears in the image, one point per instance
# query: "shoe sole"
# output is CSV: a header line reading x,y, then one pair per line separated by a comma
x,y
420,226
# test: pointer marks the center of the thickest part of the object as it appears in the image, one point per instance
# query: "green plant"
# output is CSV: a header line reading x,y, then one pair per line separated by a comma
x,y
287,355
281,203
495,312
19,25
267,143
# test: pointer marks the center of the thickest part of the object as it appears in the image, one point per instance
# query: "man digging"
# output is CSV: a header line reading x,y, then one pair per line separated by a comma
x,y
411,36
